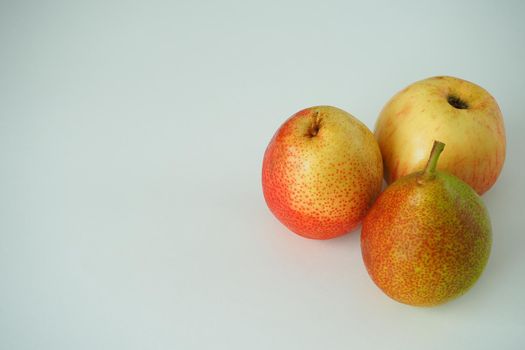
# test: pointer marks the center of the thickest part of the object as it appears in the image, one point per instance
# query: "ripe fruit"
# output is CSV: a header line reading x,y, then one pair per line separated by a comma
x,y
321,172
459,113
427,238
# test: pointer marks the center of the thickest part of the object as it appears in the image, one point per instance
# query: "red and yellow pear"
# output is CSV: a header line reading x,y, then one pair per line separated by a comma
x,y
321,172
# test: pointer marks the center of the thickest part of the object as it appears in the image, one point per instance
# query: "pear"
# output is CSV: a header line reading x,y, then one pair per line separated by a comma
x,y
322,170
427,238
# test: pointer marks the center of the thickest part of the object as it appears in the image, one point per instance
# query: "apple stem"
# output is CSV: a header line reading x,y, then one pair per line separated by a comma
x,y
430,168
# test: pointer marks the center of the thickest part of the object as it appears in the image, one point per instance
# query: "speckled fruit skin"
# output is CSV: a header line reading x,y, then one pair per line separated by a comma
x,y
421,113
321,172
426,243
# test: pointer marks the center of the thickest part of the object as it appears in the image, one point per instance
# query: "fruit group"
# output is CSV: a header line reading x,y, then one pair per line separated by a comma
x,y
459,113
321,172
427,238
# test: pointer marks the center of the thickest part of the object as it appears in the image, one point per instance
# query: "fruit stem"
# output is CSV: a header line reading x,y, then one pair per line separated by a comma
x,y
430,168
315,126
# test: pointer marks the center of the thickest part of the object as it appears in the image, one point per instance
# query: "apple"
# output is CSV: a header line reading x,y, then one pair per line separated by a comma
x,y
461,114
321,172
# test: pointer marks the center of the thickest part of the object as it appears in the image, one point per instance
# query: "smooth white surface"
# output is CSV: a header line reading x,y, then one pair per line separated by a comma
x,y
131,142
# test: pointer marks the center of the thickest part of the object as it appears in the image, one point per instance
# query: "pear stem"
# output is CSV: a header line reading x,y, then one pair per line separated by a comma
x,y
430,168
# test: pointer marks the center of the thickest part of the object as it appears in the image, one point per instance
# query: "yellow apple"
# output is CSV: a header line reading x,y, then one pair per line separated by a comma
x,y
321,172
457,112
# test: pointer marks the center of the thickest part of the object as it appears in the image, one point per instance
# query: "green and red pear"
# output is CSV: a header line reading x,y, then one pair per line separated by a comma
x,y
427,238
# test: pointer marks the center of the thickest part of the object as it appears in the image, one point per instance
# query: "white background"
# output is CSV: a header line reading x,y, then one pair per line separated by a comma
x,y
131,141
